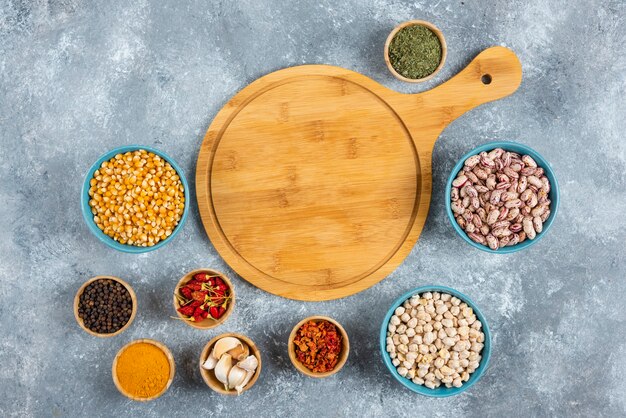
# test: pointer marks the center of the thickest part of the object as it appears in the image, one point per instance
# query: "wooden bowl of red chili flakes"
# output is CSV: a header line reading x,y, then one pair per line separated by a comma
x,y
318,346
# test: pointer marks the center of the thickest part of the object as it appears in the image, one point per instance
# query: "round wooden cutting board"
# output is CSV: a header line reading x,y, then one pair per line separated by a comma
x,y
314,182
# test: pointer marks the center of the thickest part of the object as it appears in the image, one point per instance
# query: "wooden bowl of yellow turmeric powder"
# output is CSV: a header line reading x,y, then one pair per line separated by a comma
x,y
143,370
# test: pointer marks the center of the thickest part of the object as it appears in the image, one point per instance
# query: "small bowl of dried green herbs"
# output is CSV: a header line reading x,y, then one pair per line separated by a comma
x,y
415,51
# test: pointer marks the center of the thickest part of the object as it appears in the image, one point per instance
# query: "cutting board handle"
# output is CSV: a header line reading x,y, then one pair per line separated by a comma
x,y
494,73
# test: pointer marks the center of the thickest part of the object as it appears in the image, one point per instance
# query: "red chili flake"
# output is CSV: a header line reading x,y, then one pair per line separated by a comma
x,y
318,345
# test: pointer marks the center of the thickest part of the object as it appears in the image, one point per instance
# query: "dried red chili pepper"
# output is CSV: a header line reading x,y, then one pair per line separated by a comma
x,y
199,295
218,300
194,286
187,310
186,292
201,277
214,312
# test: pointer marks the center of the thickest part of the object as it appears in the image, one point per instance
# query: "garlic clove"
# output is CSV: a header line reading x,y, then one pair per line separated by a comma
x,y
222,368
236,376
239,388
240,352
210,362
250,363
224,345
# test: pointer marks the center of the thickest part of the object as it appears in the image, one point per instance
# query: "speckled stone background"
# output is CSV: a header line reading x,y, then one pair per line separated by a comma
x,y
79,78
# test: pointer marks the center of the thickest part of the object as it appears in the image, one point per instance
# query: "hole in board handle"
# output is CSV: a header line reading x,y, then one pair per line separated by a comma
x,y
486,79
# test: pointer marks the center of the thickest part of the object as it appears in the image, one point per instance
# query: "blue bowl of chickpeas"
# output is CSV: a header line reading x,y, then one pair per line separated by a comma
x,y
461,342
135,199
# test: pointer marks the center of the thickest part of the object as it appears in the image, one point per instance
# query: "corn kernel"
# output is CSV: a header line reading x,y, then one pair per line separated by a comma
x,y
136,198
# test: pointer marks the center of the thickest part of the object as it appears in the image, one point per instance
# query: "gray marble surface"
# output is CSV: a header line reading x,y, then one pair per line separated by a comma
x,y
79,78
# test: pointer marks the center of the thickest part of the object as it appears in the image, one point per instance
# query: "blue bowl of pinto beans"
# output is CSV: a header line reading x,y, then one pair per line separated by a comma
x,y
473,197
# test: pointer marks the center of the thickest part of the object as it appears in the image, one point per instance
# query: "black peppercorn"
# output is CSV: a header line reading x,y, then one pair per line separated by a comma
x,y
105,306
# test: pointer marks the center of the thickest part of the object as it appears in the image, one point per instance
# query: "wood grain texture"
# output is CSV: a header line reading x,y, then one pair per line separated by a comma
x,y
314,182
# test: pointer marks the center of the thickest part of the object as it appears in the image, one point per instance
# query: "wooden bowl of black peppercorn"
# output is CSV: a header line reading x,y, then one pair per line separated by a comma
x,y
105,306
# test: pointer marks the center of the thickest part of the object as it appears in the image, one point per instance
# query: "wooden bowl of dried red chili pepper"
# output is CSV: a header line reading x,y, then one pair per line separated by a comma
x,y
331,341
204,298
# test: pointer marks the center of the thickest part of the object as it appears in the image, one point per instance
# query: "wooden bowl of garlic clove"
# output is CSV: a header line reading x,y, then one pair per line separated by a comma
x,y
250,349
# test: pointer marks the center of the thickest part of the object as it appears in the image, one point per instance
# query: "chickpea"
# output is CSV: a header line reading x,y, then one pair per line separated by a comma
x,y
418,381
435,339
412,323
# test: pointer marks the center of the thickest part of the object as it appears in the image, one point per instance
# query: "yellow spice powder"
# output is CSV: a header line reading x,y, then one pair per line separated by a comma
x,y
143,370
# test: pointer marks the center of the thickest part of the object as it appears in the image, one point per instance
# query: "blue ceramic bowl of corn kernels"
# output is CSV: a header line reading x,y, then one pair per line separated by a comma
x,y
441,391
89,216
553,194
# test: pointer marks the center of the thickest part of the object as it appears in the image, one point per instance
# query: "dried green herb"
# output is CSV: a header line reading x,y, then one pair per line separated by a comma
x,y
415,51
